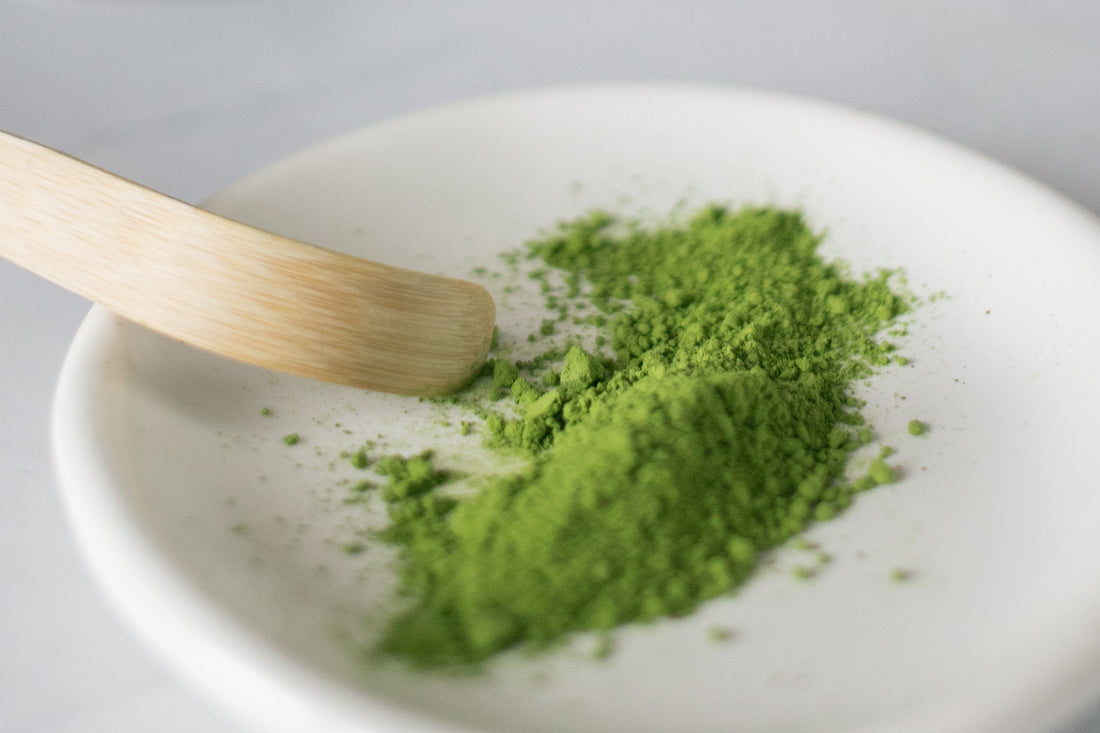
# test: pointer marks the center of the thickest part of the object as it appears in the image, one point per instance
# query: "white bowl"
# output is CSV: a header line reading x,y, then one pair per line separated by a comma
x,y
221,545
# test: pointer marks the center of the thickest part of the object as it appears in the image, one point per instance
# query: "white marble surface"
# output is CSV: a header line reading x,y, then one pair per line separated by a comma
x,y
188,95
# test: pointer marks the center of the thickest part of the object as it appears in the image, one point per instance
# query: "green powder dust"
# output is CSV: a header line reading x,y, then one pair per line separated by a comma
x,y
718,423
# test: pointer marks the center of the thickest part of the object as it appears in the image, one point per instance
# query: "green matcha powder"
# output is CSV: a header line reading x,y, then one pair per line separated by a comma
x,y
717,423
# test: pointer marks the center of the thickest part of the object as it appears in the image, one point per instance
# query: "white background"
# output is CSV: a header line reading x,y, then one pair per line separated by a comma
x,y
188,95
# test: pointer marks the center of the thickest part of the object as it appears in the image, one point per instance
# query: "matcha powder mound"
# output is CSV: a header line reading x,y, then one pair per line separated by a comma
x,y
719,424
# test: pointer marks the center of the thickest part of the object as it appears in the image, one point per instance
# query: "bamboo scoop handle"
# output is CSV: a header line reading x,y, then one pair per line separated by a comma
x,y
234,290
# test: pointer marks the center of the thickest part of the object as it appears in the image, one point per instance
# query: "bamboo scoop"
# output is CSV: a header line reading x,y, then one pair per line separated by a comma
x,y
237,291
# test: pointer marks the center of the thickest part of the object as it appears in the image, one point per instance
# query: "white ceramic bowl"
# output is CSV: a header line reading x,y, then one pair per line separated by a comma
x,y
221,545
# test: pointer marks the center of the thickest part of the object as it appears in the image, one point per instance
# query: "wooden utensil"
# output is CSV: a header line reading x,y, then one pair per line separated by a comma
x,y
234,290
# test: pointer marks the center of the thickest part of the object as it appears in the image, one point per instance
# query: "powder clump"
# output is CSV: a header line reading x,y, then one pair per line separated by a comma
x,y
718,425
580,370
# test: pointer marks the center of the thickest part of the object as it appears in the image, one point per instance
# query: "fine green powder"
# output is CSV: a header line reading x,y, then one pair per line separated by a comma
x,y
718,424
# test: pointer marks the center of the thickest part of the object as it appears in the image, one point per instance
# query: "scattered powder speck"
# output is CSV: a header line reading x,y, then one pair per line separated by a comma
x,y
901,575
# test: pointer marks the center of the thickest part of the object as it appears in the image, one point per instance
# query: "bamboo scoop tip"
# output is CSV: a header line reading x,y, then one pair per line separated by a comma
x,y
437,345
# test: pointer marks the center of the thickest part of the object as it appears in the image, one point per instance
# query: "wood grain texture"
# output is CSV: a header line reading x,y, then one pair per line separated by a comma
x,y
235,290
